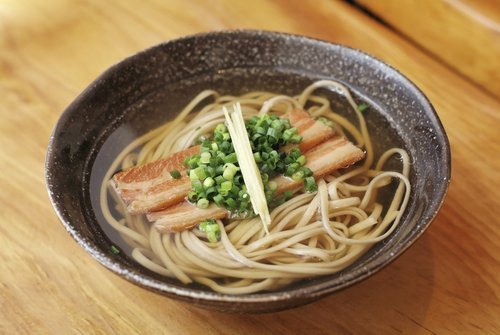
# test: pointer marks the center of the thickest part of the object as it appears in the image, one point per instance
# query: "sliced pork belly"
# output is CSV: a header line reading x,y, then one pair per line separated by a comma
x,y
150,187
184,216
325,158
313,132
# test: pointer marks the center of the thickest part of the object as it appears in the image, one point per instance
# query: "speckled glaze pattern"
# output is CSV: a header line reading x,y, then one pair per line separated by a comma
x,y
152,86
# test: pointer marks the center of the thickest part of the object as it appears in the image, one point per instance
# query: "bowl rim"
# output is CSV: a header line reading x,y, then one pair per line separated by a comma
x,y
310,292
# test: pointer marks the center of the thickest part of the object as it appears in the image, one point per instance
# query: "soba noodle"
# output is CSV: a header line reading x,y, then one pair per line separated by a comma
x,y
312,234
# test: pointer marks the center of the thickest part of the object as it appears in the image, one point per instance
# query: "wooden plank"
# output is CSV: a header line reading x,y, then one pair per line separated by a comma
x,y
448,282
462,33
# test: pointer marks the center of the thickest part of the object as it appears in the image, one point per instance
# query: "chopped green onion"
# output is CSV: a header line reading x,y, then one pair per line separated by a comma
x,y
231,158
307,171
296,139
193,176
219,180
289,133
225,146
218,199
326,122
261,130
193,162
200,173
277,124
235,190
229,171
214,227
210,171
238,179
294,153
301,160
298,176
211,191
208,182
231,203
227,185
212,237
203,225
257,157
205,157
362,107
202,203
271,132
212,230
175,174
220,128
197,186
310,184
292,168
192,196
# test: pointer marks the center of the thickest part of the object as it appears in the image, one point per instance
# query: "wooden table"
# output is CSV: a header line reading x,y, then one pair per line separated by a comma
x,y
448,282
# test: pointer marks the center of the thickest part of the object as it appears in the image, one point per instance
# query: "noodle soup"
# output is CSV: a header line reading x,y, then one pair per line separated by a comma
x,y
151,88
312,233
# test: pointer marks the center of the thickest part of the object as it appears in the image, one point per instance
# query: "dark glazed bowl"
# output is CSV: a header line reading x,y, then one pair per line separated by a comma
x,y
150,87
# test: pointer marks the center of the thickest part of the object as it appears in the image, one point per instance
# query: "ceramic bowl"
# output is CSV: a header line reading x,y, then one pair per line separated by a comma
x,y
150,87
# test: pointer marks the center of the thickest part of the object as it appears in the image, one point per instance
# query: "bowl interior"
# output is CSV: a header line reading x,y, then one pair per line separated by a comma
x,y
151,87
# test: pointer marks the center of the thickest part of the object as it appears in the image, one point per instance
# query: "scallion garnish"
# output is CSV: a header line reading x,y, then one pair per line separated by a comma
x,y
362,107
115,250
310,184
202,203
211,229
175,174
216,175
326,122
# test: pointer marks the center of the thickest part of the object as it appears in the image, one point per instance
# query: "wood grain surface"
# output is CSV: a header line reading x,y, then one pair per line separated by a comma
x,y
447,283
464,34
